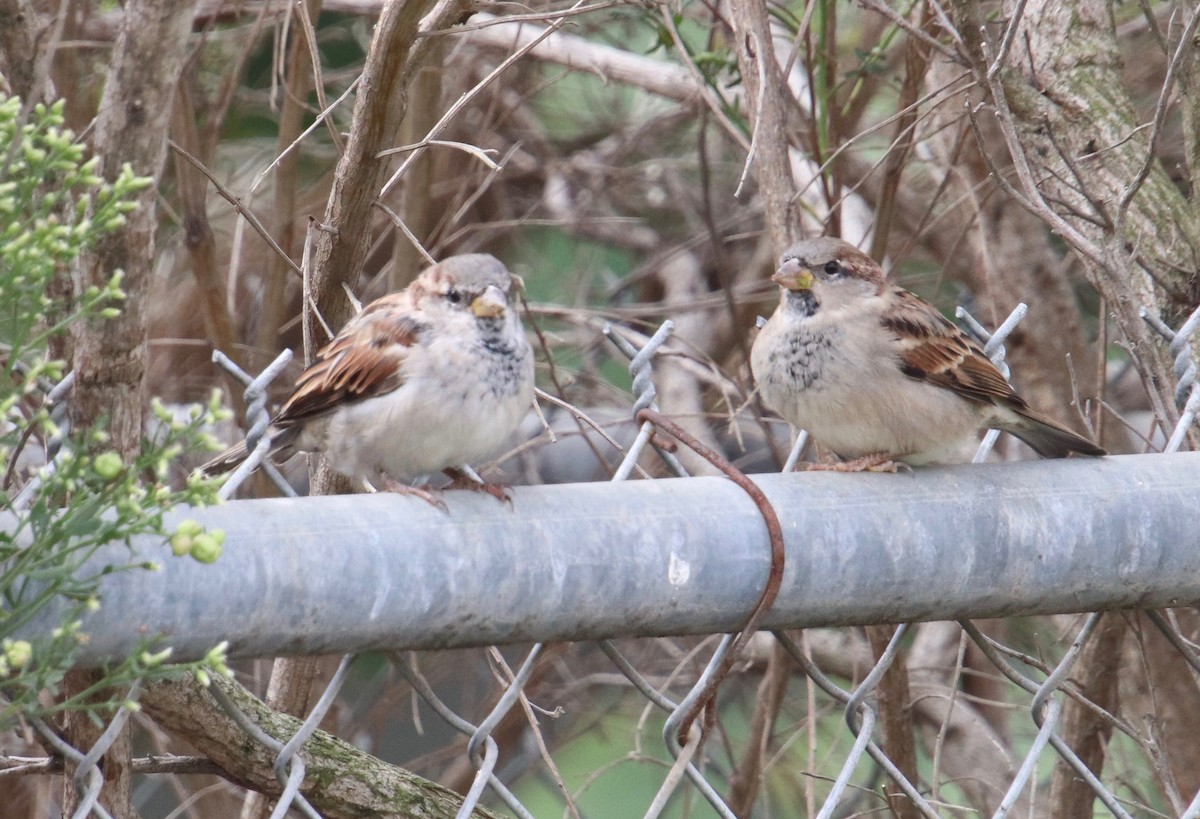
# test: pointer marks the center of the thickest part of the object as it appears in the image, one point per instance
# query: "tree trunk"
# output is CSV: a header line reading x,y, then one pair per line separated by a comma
x,y
1097,675
895,722
110,354
1004,253
767,106
1072,130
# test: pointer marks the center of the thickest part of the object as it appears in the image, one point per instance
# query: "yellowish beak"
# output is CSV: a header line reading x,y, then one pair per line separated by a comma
x,y
489,304
793,276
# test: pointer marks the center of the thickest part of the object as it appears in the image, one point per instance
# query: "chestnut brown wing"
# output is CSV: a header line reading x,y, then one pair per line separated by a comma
x,y
364,360
932,349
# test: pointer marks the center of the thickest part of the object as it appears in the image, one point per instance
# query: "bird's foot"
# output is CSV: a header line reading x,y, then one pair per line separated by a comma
x,y
425,492
875,462
461,480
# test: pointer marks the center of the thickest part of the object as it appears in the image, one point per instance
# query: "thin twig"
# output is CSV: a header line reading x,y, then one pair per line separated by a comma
x,y
1160,116
462,101
758,112
167,764
310,37
237,205
538,738
558,384
882,7
479,153
1152,25
587,419
1031,199
408,234
934,98
316,123
707,93
1010,33
485,20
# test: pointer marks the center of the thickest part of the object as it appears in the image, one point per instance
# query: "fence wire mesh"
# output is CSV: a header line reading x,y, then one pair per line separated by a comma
x,y
737,755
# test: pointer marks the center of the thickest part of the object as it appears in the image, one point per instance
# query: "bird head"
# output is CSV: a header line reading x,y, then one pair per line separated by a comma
x,y
828,266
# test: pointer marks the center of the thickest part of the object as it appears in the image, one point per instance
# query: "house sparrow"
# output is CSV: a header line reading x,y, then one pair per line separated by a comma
x,y
420,381
877,374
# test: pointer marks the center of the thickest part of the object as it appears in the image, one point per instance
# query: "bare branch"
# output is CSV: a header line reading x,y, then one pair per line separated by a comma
x,y
754,46
238,205
462,102
513,35
1010,33
913,30
1160,116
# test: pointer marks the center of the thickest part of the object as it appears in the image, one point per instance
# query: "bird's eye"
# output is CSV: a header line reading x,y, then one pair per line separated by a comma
x,y
453,296
832,268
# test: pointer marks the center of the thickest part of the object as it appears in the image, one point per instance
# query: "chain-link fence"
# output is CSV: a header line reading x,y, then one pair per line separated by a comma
x,y
948,717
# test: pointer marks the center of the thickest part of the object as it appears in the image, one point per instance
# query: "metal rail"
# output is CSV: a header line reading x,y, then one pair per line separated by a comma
x,y
679,556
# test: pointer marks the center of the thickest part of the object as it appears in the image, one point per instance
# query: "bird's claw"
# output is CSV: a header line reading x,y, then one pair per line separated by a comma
x,y
461,480
497,491
425,492
877,462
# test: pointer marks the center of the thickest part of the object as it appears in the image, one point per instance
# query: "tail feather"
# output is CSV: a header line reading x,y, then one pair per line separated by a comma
x,y
227,461
1049,438
230,459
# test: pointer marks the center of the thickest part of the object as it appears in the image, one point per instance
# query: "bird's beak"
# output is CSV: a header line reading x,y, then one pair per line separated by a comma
x,y
793,275
490,303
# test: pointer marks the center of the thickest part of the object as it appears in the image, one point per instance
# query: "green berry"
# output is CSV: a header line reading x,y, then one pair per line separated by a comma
x,y
107,465
205,548
17,653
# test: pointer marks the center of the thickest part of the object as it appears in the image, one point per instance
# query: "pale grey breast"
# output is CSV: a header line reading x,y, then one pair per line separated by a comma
x,y
804,353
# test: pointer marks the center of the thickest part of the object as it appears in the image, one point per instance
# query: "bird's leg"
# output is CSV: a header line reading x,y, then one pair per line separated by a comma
x,y
425,492
460,479
875,462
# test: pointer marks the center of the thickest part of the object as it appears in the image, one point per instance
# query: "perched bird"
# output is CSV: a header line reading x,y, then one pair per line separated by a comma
x,y
420,381
877,374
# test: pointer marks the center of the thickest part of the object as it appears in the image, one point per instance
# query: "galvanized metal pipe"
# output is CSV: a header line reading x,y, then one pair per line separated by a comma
x,y
583,561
